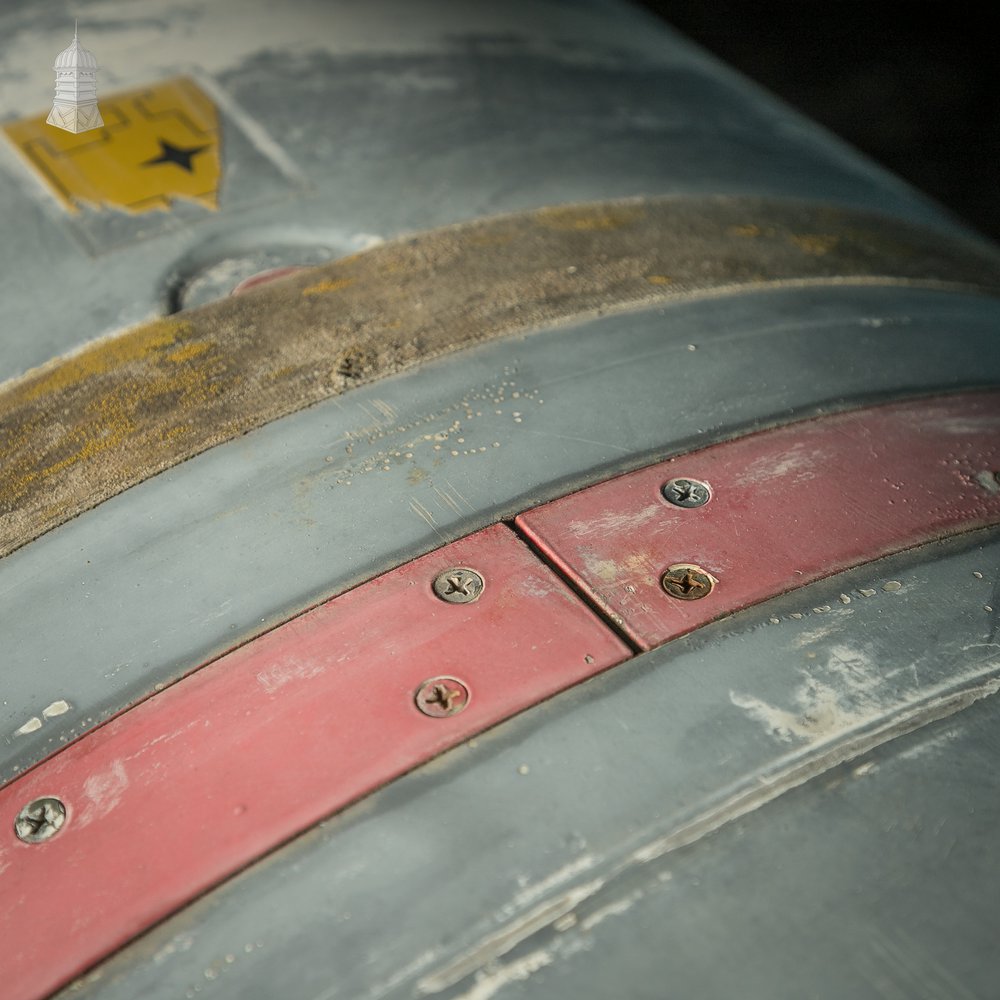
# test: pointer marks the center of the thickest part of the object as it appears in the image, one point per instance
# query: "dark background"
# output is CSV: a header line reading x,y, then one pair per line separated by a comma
x,y
914,85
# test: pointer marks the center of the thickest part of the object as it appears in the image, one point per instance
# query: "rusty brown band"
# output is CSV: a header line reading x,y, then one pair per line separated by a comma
x,y
85,427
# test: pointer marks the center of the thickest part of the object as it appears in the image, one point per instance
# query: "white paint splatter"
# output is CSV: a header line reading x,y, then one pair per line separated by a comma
x,y
845,691
176,945
32,725
60,707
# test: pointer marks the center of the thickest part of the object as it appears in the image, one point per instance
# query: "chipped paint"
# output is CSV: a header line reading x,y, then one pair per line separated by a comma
x,y
488,984
795,465
615,521
103,791
497,944
847,689
176,945
837,621
51,711
616,539
568,928
798,767
289,669
630,566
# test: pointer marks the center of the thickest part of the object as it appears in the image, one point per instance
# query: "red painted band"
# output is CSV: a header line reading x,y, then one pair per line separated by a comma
x,y
788,506
184,789
264,278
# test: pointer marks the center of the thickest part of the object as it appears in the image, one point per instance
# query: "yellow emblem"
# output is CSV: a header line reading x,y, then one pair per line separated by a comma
x,y
157,143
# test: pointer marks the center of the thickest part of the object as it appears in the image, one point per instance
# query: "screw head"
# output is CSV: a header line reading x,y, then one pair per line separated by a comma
x,y
686,492
459,585
40,820
442,696
687,582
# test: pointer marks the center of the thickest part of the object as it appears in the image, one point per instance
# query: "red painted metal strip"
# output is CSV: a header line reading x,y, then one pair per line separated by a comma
x,y
788,506
191,785
264,278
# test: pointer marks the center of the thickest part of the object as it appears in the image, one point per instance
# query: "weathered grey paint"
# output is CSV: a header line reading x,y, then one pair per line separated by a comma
x,y
348,122
680,826
157,580
342,131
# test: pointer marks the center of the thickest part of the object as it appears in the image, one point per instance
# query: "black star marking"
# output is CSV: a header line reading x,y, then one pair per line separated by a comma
x,y
175,154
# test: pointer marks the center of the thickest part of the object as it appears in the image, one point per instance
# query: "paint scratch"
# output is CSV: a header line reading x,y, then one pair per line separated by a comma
x,y
489,983
103,790
418,508
288,670
508,937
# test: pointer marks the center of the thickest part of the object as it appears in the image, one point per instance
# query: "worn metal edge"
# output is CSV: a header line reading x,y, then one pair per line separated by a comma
x,y
87,426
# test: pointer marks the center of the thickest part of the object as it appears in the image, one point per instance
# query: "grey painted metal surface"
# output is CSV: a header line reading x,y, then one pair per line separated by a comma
x,y
571,847
630,837
893,849
347,122
145,587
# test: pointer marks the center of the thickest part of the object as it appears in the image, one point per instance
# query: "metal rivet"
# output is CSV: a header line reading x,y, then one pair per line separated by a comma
x,y
442,696
459,585
40,820
686,492
687,582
